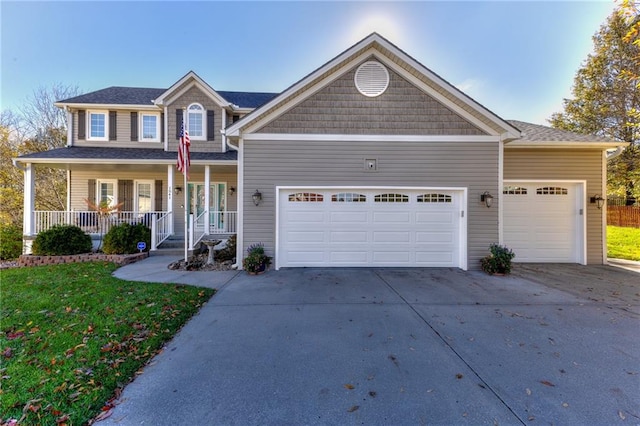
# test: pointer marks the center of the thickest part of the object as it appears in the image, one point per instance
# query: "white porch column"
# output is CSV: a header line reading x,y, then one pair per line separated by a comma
x,y
207,199
28,225
170,186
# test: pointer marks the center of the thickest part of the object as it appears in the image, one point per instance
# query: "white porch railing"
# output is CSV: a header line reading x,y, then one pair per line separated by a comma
x,y
161,229
198,229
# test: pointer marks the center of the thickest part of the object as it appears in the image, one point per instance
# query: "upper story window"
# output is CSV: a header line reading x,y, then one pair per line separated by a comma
x,y
150,127
98,125
196,122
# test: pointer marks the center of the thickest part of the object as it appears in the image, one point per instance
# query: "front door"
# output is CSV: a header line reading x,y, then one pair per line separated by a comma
x,y
217,202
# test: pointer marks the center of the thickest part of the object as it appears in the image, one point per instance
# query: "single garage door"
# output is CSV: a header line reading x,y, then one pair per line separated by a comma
x,y
542,221
370,227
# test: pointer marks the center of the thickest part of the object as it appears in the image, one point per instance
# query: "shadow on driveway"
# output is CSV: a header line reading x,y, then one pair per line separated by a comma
x,y
546,345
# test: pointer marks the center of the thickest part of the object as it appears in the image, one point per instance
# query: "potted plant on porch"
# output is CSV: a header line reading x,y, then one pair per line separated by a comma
x,y
256,261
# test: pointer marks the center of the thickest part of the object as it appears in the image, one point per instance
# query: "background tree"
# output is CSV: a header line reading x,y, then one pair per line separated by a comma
x,y
606,98
37,126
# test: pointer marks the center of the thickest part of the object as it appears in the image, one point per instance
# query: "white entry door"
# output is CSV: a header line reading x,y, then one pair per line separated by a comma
x,y
371,227
543,221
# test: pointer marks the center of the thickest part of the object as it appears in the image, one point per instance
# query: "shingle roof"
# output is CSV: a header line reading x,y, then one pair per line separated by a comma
x,y
117,95
537,133
110,153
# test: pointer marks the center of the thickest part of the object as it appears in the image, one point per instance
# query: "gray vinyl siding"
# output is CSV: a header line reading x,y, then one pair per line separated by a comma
x,y
123,134
195,95
79,183
402,109
567,165
472,165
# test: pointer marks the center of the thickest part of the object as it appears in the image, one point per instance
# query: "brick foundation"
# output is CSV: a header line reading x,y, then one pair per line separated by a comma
x,y
119,259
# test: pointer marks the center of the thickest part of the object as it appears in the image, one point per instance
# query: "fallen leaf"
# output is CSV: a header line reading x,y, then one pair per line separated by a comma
x,y
7,353
354,408
547,383
528,391
459,376
104,415
621,414
565,405
349,386
372,394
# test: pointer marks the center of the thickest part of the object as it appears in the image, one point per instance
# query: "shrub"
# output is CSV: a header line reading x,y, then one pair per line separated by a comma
x,y
10,241
62,240
124,238
499,261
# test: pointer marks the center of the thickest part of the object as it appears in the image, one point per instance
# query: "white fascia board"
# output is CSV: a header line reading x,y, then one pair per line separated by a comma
x,y
367,138
564,145
109,106
234,129
121,161
203,87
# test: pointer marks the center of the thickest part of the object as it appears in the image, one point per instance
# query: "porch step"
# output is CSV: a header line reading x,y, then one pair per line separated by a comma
x,y
169,252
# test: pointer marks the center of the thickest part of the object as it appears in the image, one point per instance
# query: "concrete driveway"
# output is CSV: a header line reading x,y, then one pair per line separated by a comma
x,y
552,344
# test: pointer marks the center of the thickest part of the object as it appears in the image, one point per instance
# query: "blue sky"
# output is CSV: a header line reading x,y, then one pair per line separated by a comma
x,y
516,58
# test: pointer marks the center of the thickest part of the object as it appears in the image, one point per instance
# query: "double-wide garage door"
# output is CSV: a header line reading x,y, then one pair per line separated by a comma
x,y
543,221
370,227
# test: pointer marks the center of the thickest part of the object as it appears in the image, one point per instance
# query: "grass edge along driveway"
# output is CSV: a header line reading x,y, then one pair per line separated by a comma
x,y
623,243
71,336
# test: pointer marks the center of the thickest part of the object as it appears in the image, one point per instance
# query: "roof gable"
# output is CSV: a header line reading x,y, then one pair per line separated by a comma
x,y
395,59
191,79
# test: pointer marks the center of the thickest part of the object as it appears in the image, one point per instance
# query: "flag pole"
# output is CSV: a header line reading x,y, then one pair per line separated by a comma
x,y
185,121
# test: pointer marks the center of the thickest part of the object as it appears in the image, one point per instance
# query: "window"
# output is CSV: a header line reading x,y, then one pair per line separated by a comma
x,y
514,190
144,196
348,197
551,190
150,127
306,197
98,125
195,123
391,198
434,198
107,193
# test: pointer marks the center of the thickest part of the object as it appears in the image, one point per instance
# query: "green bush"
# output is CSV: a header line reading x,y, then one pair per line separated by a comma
x,y
229,252
499,261
62,240
10,241
124,238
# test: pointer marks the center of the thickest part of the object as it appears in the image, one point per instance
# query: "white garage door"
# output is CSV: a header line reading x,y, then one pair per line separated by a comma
x,y
370,227
542,222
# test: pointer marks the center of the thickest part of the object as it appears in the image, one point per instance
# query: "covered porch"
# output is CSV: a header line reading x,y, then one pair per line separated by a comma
x,y
147,191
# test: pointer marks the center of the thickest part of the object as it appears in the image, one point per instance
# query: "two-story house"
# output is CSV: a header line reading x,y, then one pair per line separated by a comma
x,y
370,160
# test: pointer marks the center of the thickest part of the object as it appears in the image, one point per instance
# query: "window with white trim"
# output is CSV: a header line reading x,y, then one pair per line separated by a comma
x,y
196,116
107,193
98,125
552,190
149,127
143,200
514,190
391,198
306,197
348,197
434,198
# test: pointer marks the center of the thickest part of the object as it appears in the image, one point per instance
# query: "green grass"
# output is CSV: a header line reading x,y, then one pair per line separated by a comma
x,y
623,243
72,335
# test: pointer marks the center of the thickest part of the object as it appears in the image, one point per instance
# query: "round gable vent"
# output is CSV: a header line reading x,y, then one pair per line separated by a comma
x,y
372,79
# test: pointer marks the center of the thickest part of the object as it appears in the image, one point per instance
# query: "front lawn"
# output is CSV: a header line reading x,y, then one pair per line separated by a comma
x,y
623,243
72,335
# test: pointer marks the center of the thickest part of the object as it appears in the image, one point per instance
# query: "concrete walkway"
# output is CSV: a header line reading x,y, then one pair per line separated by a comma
x,y
399,346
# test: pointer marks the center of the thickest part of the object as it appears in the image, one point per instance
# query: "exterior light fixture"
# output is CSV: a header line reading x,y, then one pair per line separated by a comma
x,y
257,197
232,190
598,201
177,190
486,198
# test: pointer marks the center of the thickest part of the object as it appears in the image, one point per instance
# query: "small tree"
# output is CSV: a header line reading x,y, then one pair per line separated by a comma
x,y
104,211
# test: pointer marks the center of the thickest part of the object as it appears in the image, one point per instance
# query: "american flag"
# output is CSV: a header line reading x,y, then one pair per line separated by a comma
x,y
184,157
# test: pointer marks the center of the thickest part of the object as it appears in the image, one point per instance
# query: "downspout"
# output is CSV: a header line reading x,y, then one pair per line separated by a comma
x,y
16,163
224,126
69,126
614,154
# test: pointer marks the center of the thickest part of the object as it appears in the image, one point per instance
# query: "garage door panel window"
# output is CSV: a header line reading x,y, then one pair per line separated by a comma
x,y
514,190
552,190
434,198
348,197
306,197
391,198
